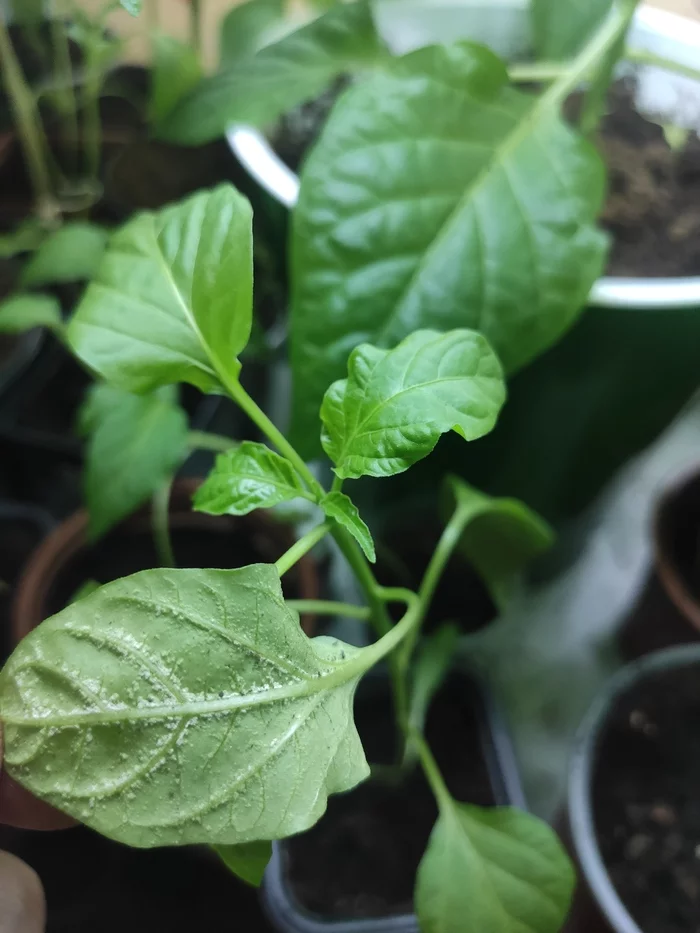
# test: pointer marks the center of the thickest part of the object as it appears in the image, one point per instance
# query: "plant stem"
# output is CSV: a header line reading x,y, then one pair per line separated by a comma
x,y
93,119
642,57
432,772
203,440
328,607
160,519
301,547
65,81
537,72
29,127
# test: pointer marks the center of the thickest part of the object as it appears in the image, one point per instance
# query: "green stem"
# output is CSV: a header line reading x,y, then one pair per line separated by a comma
x,y
203,440
160,519
196,26
537,72
65,81
328,607
29,127
642,57
432,772
93,119
301,547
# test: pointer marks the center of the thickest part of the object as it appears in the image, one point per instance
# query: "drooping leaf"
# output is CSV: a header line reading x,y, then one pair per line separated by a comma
x,y
71,254
250,477
248,861
439,196
244,28
136,442
500,537
259,89
433,659
395,404
340,507
492,871
560,30
183,706
172,300
176,70
22,312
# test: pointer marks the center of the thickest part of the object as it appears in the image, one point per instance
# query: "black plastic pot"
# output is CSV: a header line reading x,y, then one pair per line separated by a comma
x,y
584,839
281,905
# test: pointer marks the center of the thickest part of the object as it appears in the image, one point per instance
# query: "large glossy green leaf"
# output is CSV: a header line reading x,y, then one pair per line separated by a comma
x,y
343,510
492,871
71,254
560,29
183,706
395,404
439,196
250,477
245,27
22,312
298,67
500,537
248,861
176,70
136,442
172,300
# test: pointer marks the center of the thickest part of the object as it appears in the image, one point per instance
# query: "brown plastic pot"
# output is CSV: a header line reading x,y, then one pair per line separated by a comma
x,y
677,545
66,558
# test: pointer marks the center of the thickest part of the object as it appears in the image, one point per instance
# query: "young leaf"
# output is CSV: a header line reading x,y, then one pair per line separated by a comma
x,y
340,507
433,660
244,28
259,89
183,706
172,301
561,29
438,196
71,254
131,6
395,404
22,312
500,537
176,70
136,442
250,477
248,861
492,871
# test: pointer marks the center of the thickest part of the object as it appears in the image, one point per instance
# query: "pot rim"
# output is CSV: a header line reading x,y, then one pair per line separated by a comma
x,y
263,164
581,770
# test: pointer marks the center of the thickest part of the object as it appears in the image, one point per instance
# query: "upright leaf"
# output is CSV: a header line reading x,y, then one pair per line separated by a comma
x,y
561,29
172,300
259,89
71,254
492,871
343,510
183,706
395,404
136,442
245,27
250,477
438,196
22,312
248,861
176,70
500,537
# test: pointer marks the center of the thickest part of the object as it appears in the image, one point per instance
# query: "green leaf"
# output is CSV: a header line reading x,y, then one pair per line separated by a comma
x,y
25,238
172,301
136,443
395,404
500,537
176,70
183,706
438,196
561,29
131,6
27,12
71,254
340,507
248,861
250,477
492,871
22,312
432,662
244,28
258,90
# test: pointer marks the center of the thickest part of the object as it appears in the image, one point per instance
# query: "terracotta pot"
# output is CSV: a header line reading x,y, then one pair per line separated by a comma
x,y
66,558
677,545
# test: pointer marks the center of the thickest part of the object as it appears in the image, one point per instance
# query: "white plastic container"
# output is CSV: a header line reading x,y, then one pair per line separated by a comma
x,y
503,25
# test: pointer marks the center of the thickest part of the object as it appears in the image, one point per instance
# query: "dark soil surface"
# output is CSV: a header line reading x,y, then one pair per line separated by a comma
x,y
361,859
653,205
646,801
